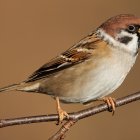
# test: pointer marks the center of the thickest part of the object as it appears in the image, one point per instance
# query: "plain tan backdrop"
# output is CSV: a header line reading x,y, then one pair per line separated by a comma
x,y
31,33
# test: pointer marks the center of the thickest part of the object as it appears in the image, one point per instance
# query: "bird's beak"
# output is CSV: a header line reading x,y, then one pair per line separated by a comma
x,y
139,31
139,38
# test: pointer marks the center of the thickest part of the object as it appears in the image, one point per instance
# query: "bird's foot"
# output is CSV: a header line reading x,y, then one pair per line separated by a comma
x,y
62,114
111,102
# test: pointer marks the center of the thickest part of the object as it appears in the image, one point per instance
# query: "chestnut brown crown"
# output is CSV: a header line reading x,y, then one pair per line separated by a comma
x,y
115,24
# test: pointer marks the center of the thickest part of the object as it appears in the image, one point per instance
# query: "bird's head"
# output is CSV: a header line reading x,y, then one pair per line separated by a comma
x,y
122,31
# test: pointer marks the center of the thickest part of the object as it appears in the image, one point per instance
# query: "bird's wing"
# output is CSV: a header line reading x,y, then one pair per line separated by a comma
x,y
78,53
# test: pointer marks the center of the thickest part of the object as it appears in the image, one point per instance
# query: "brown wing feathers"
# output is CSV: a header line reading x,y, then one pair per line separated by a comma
x,y
76,54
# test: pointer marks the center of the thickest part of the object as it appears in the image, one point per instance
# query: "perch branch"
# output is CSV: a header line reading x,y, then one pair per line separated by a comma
x,y
73,116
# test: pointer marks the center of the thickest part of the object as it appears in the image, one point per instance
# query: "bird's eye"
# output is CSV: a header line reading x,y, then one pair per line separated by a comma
x,y
132,28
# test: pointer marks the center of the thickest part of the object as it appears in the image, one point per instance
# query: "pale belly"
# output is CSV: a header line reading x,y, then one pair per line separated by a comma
x,y
91,85
88,81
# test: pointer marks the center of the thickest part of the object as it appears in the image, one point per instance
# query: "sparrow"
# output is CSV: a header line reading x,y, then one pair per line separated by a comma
x,y
92,68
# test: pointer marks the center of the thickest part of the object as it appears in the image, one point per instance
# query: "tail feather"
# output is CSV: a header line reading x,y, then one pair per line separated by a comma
x,y
10,87
23,86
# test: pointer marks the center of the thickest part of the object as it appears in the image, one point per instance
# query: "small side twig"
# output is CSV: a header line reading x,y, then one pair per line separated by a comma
x,y
62,131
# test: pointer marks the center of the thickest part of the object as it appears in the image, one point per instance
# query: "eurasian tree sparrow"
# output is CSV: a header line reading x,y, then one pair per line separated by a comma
x,y
92,68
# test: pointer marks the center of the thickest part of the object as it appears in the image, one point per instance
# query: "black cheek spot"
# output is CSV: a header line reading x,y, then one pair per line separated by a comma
x,y
125,39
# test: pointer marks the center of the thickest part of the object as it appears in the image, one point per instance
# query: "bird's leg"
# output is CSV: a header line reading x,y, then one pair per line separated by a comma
x,y
110,102
61,112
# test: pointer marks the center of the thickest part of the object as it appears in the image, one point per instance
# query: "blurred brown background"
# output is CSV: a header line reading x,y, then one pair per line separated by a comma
x,y
31,33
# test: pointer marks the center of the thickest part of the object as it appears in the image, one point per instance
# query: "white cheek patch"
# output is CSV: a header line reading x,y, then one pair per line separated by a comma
x,y
132,45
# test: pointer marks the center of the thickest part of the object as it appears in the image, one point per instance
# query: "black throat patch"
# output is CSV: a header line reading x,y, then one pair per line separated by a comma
x,y
125,39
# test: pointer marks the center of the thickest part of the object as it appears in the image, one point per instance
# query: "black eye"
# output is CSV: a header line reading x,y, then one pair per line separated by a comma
x,y
132,28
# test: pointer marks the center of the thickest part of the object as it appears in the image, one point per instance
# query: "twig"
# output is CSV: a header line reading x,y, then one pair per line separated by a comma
x,y
62,131
73,116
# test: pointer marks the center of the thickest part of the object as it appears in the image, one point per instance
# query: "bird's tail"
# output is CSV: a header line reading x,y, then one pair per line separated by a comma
x,y
11,87
23,86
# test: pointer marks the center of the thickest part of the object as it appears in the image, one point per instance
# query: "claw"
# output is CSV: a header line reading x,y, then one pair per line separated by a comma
x,y
111,103
62,114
